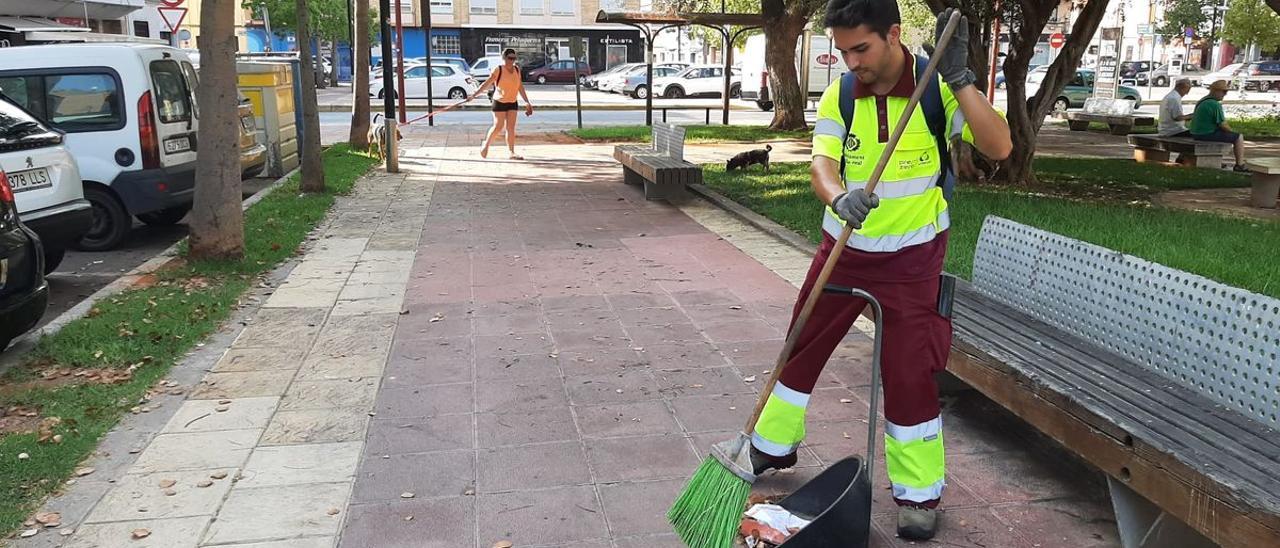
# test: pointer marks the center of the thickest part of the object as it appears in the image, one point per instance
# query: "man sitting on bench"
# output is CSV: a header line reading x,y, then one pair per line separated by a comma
x,y
1208,123
1171,116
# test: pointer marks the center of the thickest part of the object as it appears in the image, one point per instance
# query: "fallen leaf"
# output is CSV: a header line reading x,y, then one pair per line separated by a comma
x,y
618,390
752,378
735,307
332,512
49,519
170,492
23,456
82,472
502,544
97,354
167,483
222,408
408,518
218,475
57,438
846,400
29,533
846,435
67,532
436,318
141,533
46,427
204,483
406,495
224,402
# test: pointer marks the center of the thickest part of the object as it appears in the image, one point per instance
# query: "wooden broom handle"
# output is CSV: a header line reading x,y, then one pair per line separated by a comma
x,y
816,290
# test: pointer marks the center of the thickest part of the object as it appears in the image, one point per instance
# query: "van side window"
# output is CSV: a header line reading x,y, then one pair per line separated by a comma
x,y
173,101
72,102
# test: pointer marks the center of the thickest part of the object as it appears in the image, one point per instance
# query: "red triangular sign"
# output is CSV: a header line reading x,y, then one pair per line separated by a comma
x,y
172,17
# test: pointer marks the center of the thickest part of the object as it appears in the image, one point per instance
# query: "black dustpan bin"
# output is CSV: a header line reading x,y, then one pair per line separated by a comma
x,y
838,504
838,501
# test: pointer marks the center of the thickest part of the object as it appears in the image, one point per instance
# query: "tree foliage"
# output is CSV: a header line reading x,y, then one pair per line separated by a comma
x,y
1180,14
1251,22
327,18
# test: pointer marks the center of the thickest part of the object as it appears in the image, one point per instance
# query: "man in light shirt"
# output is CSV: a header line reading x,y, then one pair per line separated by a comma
x,y
1171,116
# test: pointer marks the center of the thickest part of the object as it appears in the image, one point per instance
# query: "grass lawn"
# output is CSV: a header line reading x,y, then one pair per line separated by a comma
x,y
693,134
1264,127
1232,251
138,335
1125,179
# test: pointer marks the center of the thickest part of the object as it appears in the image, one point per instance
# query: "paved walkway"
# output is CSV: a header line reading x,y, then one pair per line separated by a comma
x,y
477,351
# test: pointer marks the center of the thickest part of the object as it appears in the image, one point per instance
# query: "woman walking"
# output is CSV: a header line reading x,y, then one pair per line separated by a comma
x,y
506,79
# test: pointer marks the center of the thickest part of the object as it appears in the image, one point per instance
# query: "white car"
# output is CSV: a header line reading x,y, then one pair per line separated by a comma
x,y
130,117
483,67
1232,73
593,81
636,84
45,181
446,83
697,80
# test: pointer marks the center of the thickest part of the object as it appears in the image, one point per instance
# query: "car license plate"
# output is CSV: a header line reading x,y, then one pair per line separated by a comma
x,y
30,179
177,144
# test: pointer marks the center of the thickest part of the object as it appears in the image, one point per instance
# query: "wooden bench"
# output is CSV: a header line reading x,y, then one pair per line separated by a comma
x,y
1166,381
1154,148
1119,124
1266,182
661,167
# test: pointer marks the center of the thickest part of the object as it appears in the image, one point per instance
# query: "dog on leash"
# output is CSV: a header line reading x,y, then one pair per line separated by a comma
x,y
742,160
378,137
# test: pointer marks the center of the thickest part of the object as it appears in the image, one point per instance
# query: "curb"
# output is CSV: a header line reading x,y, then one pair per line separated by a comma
x,y
754,219
25,343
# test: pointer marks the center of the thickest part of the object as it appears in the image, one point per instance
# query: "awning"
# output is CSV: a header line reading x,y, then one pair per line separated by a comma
x,y
29,24
50,36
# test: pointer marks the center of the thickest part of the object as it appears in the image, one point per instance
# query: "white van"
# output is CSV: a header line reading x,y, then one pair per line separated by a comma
x,y
823,64
130,117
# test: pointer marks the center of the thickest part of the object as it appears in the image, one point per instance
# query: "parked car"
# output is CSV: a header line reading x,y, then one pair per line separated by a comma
x,y
483,67
823,65
253,155
1079,89
1000,82
636,84
697,80
1262,75
45,182
446,82
593,80
24,294
130,117
618,82
457,63
1161,75
560,71
1232,73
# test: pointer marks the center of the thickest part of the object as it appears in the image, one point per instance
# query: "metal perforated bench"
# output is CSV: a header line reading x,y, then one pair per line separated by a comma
x,y
661,167
1166,381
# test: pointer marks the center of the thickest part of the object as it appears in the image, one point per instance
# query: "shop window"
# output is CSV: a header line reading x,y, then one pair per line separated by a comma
x,y
446,45
484,7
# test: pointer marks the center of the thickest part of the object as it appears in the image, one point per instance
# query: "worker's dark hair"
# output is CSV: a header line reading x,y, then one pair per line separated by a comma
x,y
508,51
879,15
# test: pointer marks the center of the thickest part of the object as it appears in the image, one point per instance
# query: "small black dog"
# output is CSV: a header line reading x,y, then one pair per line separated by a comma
x,y
744,159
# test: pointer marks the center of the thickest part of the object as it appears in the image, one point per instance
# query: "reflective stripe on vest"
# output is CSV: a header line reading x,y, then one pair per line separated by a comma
x,y
912,208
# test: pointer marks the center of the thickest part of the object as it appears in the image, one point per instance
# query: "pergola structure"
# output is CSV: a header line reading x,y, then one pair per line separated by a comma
x,y
651,24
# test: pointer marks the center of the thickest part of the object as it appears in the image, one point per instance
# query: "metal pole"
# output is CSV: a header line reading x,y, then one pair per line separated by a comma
x,y
426,13
399,64
728,71
266,23
577,79
648,76
351,39
388,104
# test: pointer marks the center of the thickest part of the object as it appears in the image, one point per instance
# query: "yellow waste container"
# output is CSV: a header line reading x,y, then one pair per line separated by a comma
x,y
269,86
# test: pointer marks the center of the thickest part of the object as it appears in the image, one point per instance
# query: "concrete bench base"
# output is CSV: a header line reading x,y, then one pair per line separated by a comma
x,y
1120,125
1153,148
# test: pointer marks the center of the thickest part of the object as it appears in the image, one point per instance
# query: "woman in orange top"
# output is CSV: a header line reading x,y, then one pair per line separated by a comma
x,y
507,80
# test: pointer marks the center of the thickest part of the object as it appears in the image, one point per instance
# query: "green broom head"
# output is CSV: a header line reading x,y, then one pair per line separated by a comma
x,y
708,512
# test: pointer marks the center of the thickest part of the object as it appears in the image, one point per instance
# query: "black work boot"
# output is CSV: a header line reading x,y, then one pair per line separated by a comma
x,y
760,462
917,522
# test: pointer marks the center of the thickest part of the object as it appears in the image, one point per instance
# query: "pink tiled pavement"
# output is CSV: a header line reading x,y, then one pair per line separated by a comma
x,y
569,351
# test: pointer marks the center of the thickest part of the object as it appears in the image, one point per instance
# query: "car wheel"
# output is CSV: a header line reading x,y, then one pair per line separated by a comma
x,y
582,80
1061,105
165,217
111,223
1161,81
53,258
641,92
765,105
675,92
457,93
735,92
542,79
1000,85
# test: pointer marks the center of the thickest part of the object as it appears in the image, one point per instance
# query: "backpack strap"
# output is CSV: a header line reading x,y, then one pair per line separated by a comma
x,y
935,116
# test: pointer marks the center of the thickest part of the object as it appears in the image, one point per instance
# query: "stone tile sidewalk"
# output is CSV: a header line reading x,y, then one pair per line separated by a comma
x,y
477,351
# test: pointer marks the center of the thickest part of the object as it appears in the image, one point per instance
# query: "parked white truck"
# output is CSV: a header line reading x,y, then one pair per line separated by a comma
x,y
821,62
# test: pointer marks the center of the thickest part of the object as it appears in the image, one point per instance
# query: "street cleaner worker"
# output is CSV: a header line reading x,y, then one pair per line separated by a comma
x,y
897,249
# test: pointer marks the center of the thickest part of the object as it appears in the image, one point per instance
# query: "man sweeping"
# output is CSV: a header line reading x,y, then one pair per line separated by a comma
x,y
897,248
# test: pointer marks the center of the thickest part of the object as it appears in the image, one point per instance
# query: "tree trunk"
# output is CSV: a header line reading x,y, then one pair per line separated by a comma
x,y
782,27
333,63
312,168
1025,123
359,136
217,221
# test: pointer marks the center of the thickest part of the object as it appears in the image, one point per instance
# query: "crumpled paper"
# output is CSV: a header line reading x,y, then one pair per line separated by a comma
x,y
777,517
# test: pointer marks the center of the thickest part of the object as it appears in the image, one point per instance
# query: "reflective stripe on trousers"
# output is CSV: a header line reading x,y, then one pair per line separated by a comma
x,y
781,426
915,460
